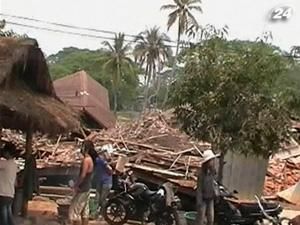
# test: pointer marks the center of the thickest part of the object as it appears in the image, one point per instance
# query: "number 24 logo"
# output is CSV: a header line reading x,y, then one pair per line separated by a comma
x,y
281,13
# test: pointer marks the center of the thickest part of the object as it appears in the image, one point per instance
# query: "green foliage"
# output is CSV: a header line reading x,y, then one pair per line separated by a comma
x,y
182,12
226,97
118,63
71,60
152,53
287,88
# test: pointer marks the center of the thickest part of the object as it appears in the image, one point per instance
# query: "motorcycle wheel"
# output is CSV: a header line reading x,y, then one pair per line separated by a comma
x,y
115,212
167,218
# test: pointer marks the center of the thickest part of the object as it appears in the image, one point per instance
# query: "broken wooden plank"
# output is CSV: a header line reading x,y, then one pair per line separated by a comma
x,y
155,170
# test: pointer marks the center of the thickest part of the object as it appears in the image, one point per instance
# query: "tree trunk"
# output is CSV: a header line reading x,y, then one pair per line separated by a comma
x,y
115,88
173,67
115,100
158,81
147,88
221,167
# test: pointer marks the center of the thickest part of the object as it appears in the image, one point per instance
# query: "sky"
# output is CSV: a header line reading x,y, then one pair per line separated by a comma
x,y
246,19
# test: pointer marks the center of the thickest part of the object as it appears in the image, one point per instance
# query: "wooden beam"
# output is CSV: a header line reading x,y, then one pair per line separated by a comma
x,y
28,153
29,137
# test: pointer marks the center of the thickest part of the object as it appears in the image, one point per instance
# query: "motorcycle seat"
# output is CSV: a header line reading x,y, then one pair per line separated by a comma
x,y
150,193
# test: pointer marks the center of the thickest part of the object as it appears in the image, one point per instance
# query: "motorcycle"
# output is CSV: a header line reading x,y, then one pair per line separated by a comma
x,y
229,210
273,220
137,202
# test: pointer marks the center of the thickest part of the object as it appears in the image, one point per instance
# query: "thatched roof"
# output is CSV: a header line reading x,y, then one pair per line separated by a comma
x,y
26,90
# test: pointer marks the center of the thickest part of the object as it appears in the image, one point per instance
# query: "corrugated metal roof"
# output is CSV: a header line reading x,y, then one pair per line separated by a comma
x,y
82,92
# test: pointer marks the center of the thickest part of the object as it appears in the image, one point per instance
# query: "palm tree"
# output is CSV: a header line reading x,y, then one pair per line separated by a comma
x,y
182,13
117,62
151,52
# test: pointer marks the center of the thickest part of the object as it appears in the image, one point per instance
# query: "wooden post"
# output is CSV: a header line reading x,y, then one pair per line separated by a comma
x,y
28,152
28,146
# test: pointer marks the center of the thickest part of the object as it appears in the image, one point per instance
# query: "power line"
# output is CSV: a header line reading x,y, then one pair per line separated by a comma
x,y
71,32
92,35
72,26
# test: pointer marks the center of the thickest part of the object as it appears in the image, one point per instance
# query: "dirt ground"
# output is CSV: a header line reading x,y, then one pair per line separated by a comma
x,y
289,213
40,220
45,219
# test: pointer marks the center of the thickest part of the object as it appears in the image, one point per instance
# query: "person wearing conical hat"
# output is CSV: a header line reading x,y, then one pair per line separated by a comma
x,y
206,189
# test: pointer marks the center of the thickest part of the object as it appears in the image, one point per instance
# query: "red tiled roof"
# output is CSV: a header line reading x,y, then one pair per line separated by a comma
x,y
83,93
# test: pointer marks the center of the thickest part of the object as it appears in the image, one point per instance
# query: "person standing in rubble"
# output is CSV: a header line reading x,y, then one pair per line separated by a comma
x,y
104,180
206,189
79,208
8,174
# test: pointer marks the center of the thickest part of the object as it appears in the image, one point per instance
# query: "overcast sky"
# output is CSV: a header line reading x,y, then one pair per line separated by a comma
x,y
247,19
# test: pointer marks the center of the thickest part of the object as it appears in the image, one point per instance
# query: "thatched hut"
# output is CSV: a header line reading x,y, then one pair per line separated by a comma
x,y
27,96
28,101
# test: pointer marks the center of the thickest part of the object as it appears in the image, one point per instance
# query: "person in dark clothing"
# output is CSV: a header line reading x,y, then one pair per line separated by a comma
x,y
206,189
104,180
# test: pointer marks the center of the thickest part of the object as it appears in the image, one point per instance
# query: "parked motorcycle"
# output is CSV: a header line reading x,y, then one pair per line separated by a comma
x,y
273,220
137,202
229,210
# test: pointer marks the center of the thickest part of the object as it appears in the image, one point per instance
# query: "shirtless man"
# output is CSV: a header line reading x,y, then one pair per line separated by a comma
x,y
79,208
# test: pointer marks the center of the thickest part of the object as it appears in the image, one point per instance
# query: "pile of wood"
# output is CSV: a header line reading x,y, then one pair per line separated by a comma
x,y
151,145
154,129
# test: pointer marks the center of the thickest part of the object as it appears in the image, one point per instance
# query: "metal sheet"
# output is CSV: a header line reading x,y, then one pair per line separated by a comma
x,y
245,174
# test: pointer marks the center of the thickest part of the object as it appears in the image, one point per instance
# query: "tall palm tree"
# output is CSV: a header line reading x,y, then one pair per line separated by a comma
x,y
182,13
117,62
151,52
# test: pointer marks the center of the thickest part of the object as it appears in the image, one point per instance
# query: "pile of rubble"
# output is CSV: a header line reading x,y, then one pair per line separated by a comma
x,y
283,171
280,176
151,144
155,150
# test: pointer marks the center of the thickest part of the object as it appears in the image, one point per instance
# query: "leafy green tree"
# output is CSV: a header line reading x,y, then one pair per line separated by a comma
x,y
118,63
287,89
226,97
71,60
152,53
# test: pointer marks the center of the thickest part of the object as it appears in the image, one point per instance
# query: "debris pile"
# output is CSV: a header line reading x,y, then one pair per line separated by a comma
x,y
153,129
152,146
283,172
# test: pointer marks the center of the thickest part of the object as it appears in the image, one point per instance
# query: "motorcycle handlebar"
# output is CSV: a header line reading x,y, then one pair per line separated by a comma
x,y
224,192
264,211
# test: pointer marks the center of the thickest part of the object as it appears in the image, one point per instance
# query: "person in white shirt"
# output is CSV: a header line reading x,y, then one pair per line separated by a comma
x,y
8,173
